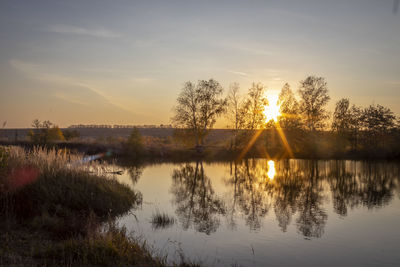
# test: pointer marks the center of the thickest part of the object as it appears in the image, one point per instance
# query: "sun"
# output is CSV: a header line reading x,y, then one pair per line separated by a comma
x,y
271,111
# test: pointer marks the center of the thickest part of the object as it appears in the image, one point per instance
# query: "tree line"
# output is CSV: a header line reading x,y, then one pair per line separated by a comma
x,y
47,132
303,113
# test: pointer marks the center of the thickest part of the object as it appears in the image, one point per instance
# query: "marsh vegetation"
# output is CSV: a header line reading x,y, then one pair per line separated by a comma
x,y
59,209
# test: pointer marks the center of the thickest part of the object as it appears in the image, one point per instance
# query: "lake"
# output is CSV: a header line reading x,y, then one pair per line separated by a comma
x,y
270,213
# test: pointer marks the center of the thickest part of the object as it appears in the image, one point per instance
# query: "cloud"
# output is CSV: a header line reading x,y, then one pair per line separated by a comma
x,y
238,73
247,48
81,91
67,29
41,73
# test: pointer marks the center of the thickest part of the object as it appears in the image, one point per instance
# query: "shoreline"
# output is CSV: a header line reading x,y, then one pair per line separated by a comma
x,y
210,153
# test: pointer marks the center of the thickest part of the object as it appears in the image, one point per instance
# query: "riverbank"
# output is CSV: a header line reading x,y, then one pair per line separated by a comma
x,y
56,209
169,153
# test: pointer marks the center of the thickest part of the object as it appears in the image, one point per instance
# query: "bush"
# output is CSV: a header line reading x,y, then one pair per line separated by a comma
x,y
45,133
70,134
134,146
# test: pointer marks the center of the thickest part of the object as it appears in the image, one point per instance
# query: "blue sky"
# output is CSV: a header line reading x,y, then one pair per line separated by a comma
x,y
124,62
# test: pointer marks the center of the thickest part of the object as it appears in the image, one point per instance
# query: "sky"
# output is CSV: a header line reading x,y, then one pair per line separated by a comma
x,y
125,62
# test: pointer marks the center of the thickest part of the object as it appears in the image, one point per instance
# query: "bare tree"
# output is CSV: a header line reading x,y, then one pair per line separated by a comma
x,y
342,116
289,108
36,124
355,125
254,107
314,96
235,111
198,107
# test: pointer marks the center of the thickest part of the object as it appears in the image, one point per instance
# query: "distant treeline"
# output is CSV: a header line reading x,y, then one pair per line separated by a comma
x,y
115,126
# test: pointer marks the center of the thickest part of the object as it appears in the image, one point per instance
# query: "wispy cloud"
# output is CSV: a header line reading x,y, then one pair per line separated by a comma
x,y
238,73
68,29
42,73
247,48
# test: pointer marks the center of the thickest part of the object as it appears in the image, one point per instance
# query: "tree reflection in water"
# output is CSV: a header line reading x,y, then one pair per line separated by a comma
x,y
299,189
252,193
370,184
135,172
312,218
195,200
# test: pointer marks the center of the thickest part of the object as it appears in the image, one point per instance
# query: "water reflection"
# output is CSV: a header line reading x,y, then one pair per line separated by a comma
x,y
301,189
295,192
253,188
195,199
134,173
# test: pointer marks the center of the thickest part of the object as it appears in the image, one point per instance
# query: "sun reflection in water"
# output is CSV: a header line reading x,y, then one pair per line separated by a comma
x,y
271,169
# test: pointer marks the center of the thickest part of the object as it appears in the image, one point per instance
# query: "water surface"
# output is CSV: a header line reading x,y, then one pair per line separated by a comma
x,y
271,213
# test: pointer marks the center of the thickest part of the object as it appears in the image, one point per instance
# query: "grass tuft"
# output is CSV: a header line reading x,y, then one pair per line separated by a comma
x,y
162,220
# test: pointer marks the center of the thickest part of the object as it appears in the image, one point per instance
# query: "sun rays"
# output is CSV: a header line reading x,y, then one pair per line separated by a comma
x,y
272,118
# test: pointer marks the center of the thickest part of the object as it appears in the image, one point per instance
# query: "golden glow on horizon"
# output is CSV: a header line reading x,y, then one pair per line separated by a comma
x,y
271,169
271,111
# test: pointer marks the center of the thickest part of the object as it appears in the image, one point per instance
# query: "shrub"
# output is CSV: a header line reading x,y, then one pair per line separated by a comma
x,y
70,134
45,133
134,145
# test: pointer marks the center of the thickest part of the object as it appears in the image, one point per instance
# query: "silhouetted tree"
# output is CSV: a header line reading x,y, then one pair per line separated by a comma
x,y
314,96
254,107
377,121
198,107
235,112
289,108
341,123
355,125
342,117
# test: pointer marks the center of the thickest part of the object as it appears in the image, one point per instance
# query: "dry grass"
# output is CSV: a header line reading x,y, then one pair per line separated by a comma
x,y
53,206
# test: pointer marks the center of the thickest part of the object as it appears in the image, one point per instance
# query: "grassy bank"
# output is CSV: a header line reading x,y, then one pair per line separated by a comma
x,y
56,209
324,147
